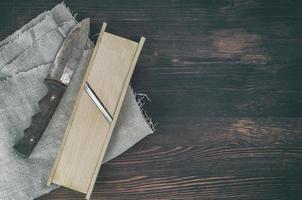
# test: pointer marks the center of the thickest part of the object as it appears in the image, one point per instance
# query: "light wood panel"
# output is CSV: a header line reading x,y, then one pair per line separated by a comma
x,y
108,81
88,133
82,147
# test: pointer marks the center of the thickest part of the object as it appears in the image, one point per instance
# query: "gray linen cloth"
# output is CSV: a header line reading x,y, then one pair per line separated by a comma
x,y
25,57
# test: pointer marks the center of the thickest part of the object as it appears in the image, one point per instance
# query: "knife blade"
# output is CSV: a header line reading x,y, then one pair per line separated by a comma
x,y
57,80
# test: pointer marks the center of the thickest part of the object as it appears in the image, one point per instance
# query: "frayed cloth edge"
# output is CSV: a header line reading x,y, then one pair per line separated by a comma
x,y
141,99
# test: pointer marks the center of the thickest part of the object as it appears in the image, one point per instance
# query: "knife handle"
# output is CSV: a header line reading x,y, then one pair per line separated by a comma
x,y
47,106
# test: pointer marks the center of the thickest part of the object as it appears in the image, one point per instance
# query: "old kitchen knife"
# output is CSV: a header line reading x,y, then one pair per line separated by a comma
x,y
58,78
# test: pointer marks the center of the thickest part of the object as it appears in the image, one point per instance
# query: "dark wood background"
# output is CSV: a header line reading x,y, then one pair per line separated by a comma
x,y
225,81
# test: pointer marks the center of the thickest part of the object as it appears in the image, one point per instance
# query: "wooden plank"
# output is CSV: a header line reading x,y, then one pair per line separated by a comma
x,y
88,133
109,80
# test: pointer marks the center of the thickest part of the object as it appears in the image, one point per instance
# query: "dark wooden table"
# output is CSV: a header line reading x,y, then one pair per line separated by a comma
x,y
225,80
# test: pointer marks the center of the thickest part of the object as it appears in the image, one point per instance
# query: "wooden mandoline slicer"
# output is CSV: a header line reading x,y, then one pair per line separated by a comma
x,y
95,112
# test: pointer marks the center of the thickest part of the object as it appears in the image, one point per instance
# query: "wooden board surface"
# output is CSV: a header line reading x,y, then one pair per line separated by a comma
x,y
88,133
225,82
81,150
108,81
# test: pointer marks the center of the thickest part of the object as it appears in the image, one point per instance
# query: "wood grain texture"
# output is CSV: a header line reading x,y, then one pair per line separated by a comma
x,y
81,150
88,133
225,81
108,81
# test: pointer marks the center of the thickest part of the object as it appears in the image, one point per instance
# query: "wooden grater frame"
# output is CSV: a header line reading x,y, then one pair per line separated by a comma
x,y
99,152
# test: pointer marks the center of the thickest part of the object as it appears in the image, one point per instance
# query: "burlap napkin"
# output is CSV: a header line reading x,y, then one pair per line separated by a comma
x,y
25,57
